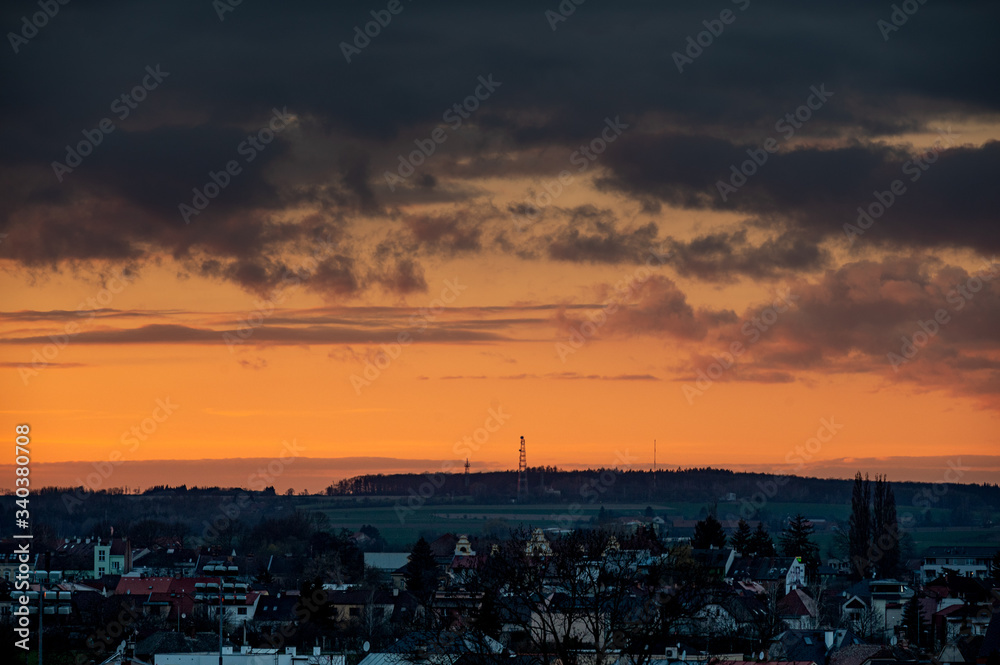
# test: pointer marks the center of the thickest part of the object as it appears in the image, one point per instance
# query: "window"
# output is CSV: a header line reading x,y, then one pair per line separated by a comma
x,y
354,611
241,610
100,555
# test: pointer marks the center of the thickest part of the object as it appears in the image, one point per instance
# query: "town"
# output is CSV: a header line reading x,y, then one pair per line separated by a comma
x,y
279,583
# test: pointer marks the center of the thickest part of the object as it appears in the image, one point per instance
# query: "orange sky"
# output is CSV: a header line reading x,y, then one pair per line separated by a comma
x,y
566,255
615,393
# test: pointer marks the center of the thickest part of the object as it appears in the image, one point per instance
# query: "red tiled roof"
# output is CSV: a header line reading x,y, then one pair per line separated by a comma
x,y
141,586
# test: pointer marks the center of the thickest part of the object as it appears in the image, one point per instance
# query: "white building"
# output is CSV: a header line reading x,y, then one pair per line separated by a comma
x,y
249,656
965,561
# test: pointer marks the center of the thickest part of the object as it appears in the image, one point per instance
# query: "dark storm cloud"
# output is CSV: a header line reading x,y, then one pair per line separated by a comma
x,y
652,306
726,255
226,77
944,201
939,321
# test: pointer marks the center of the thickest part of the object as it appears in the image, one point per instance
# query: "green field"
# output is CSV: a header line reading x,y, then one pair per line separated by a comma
x,y
401,527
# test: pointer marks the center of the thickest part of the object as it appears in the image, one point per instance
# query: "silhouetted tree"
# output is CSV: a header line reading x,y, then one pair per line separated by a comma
x,y
885,554
422,571
860,533
796,540
602,604
740,539
761,543
708,533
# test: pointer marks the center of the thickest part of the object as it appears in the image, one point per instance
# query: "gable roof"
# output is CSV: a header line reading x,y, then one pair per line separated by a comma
x,y
772,568
798,604
858,654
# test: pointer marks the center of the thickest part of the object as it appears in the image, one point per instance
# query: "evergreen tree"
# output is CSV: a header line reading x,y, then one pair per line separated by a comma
x,y
761,543
740,539
708,533
796,540
995,566
421,571
860,534
885,537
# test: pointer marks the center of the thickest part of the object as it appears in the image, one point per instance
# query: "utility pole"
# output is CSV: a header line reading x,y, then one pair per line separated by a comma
x,y
41,613
522,472
220,620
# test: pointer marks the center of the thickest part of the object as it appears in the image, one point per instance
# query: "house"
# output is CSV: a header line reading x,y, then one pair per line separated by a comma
x,y
247,655
881,600
770,572
538,545
576,617
170,561
967,561
860,654
379,605
798,610
811,645
73,559
716,561
435,648
113,557
278,610
10,559
729,614
386,562
169,597
990,647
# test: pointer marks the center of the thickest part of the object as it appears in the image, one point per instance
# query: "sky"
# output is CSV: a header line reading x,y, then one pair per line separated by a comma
x,y
338,238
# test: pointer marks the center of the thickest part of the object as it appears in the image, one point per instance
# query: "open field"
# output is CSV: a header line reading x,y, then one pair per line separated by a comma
x,y
401,526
